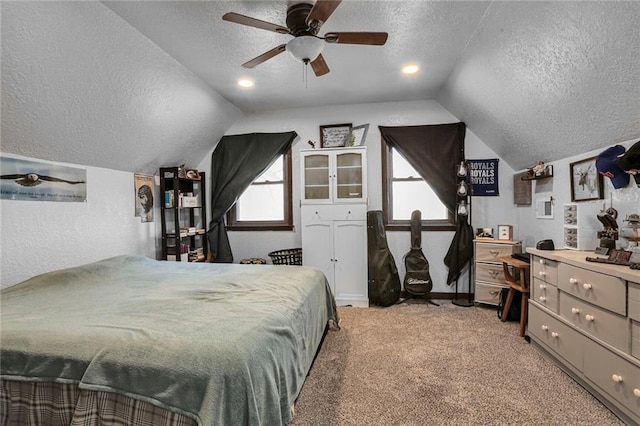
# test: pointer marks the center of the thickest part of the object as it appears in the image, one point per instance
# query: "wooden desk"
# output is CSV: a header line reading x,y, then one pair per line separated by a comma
x,y
522,286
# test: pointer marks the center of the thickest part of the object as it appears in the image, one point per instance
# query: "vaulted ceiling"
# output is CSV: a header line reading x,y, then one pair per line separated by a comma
x,y
534,80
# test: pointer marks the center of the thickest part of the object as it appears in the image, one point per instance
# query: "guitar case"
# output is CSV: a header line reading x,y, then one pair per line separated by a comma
x,y
384,280
417,280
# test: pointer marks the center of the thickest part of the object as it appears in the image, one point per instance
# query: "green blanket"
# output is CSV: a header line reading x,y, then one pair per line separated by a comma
x,y
223,344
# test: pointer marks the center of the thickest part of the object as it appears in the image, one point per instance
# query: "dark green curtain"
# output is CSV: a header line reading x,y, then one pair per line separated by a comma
x,y
434,151
236,162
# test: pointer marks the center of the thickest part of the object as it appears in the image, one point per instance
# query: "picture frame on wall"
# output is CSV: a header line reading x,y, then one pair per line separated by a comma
x,y
586,183
358,135
335,135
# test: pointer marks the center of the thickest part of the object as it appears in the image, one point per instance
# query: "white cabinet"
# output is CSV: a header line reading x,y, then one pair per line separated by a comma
x,y
334,220
334,175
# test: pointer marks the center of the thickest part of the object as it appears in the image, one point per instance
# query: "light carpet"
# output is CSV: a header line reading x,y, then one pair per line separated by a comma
x,y
419,364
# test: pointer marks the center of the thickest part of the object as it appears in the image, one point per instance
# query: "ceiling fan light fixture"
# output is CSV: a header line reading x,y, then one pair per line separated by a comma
x,y
305,48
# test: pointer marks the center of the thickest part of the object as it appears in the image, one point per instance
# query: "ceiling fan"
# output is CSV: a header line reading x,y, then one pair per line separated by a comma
x,y
303,23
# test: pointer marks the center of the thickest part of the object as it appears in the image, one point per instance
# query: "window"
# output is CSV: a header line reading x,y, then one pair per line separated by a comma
x,y
405,191
266,204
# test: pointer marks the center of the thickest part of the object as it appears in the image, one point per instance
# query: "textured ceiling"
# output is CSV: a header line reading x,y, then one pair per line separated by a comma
x,y
534,80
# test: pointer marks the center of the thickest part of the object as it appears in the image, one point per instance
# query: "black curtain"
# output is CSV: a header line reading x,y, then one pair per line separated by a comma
x,y
236,162
435,151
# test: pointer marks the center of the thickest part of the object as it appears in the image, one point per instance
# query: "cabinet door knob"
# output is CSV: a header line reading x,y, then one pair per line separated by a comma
x,y
636,392
545,327
554,334
575,311
543,299
617,378
589,317
573,281
586,286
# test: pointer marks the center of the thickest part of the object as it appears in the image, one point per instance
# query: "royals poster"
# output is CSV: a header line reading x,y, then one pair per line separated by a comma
x,y
483,177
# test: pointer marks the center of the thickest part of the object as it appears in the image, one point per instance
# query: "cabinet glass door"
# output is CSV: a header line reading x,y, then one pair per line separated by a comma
x,y
316,177
349,175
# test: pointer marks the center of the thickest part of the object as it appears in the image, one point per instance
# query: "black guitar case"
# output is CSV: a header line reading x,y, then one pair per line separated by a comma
x,y
384,281
417,280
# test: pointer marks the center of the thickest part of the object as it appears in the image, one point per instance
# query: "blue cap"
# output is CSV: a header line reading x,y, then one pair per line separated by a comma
x,y
607,165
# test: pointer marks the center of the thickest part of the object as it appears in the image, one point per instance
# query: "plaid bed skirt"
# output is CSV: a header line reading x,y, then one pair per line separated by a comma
x,y
64,404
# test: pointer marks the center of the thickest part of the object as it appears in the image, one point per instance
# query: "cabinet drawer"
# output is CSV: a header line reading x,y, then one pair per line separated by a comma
x,y
613,374
545,294
320,213
634,301
558,337
545,269
601,324
488,252
487,293
490,272
602,290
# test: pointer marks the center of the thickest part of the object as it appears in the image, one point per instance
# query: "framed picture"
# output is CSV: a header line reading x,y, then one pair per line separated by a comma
x,y
484,233
586,182
358,135
544,208
505,232
334,135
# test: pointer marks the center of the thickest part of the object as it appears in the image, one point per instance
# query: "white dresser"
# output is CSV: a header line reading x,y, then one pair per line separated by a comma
x,y
586,316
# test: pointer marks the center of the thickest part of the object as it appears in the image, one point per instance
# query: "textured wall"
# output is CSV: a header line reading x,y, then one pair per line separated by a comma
x,y
489,211
81,85
41,236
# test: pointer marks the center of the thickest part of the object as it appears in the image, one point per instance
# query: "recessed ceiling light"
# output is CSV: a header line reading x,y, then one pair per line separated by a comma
x,y
245,82
410,69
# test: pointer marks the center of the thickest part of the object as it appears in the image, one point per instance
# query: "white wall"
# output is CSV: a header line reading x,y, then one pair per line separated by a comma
x,y
489,211
530,229
41,236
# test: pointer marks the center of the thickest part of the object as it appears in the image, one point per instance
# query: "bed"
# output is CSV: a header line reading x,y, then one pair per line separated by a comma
x,y
130,340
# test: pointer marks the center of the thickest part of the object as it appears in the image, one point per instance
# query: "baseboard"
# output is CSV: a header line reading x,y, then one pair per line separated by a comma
x,y
441,296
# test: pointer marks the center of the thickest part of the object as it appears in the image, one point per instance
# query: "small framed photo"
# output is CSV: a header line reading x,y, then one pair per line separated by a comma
x,y
358,135
505,232
192,174
484,233
334,135
586,182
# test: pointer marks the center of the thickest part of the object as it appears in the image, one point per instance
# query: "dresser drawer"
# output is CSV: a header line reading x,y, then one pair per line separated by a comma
x,y
487,293
558,337
545,269
600,323
634,301
613,374
635,339
602,290
320,213
490,272
487,252
545,294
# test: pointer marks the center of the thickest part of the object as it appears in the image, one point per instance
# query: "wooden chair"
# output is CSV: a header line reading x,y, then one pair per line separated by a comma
x,y
522,286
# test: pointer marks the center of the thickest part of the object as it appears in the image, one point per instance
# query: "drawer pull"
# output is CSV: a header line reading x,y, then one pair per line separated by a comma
x,y
636,392
494,274
575,311
542,273
543,286
589,317
554,334
586,286
541,261
494,253
573,280
616,378
545,327
543,299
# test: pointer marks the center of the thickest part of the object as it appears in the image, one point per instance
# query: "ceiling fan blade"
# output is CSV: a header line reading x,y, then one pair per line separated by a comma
x,y
320,12
266,55
319,66
370,38
253,22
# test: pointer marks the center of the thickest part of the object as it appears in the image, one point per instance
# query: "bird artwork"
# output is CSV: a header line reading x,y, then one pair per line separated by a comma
x,y
34,179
